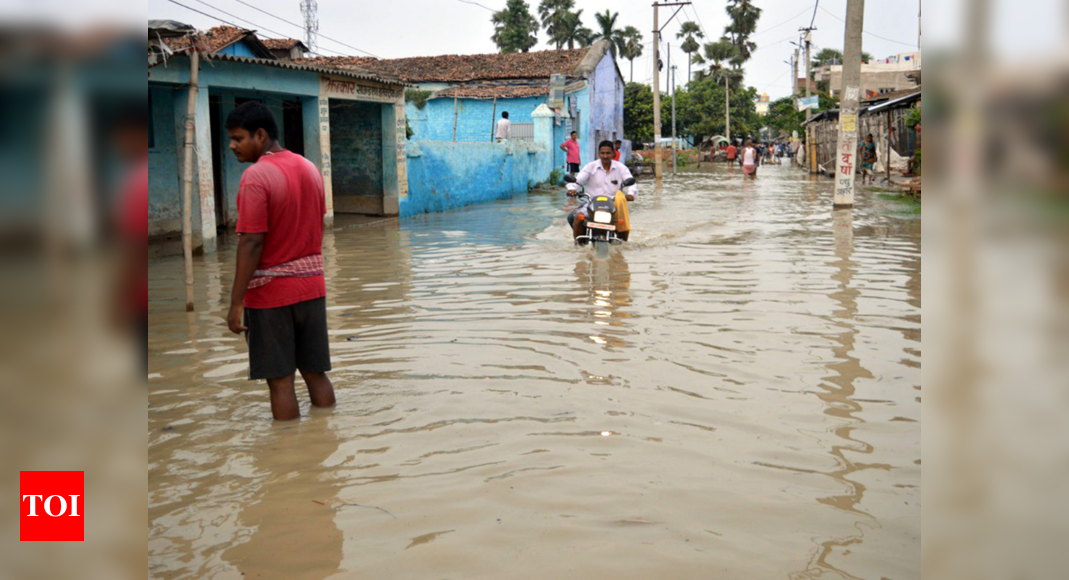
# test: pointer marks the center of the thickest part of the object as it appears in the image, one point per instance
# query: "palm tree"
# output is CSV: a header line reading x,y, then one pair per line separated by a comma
x,y
691,32
632,47
553,13
572,31
609,32
515,29
718,53
744,16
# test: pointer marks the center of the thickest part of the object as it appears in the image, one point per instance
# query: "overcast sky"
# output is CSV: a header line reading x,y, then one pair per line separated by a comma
x,y
400,28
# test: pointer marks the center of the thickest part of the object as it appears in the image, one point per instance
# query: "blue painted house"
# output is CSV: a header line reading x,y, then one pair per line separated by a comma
x,y
468,93
349,122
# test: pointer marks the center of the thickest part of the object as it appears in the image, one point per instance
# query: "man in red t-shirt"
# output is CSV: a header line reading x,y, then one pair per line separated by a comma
x,y
732,151
279,295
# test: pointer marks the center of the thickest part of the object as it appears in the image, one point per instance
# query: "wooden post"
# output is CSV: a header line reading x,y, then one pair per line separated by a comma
x,y
890,133
456,114
187,177
493,120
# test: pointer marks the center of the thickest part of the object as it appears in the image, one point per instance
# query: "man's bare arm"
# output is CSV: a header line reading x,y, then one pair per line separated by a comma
x,y
250,247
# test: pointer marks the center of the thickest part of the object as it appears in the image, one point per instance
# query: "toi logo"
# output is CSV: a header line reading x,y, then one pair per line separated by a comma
x,y
52,504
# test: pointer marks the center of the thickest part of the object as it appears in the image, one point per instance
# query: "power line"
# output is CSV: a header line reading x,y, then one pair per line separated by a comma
x,y
228,23
814,19
835,16
789,20
302,28
477,4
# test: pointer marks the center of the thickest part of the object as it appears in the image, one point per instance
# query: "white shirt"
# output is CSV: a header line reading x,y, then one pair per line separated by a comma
x,y
601,182
504,127
748,156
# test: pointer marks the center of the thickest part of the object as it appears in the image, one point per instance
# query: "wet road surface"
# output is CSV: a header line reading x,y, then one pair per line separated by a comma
x,y
734,394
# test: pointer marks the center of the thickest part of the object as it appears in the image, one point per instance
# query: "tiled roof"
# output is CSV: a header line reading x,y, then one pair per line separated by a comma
x,y
494,91
466,68
280,43
214,39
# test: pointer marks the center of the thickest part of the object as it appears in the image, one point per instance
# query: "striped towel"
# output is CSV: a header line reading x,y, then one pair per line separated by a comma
x,y
305,267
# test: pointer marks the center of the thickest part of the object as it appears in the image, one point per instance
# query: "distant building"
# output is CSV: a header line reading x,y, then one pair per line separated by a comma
x,y
763,104
467,93
879,76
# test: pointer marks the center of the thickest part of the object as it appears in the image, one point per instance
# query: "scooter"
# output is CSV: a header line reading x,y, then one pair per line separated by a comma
x,y
600,218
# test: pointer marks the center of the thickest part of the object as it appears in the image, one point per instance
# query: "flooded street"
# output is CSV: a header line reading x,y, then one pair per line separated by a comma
x,y
734,394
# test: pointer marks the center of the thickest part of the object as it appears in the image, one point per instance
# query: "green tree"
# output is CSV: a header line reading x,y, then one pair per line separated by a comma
x,y
717,55
784,117
572,31
744,16
632,47
638,112
827,56
553,14
607,24
515,29
690,32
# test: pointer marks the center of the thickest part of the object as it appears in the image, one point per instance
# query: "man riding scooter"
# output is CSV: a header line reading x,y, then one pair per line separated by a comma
x,y
604,177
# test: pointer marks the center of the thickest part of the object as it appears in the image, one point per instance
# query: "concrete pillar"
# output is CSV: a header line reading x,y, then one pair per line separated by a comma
x,y
323,123
543,137
310,120
205,178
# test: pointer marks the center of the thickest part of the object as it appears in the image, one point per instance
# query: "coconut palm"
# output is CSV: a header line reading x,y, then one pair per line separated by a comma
x,y
607,23
515,29
572,31
690,32
632,47
718,54
553,13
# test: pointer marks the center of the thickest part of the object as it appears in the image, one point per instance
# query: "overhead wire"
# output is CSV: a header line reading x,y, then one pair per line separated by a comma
x,y
320,35
227,22
836,16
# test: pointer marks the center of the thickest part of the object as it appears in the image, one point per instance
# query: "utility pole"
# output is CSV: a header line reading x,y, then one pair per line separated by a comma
x,y
794,71
808,90
658,147
846,152
187,172
727,108
673,72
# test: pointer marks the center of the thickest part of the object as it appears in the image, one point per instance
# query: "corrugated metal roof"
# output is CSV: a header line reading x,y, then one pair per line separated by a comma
x,y
896,103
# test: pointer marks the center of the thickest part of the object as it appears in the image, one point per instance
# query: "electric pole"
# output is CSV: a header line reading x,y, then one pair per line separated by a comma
x,y
658,147
673,73
846,152
808,92
727,108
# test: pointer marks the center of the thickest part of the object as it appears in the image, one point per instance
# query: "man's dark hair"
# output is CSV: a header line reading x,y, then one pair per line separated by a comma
x,y
606,143
618,142
253,116
574,133
504,114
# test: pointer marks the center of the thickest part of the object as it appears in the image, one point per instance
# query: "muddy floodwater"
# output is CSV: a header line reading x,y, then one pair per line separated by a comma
x,y
735,394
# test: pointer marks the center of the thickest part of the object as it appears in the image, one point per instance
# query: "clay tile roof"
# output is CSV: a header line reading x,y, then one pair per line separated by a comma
x,y
466,68
214,39
494,91
281,43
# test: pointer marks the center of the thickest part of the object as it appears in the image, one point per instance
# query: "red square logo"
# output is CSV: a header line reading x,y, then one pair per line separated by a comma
x,y
52,506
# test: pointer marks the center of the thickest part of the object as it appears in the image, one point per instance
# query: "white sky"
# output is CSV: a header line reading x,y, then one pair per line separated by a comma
x,y
400,28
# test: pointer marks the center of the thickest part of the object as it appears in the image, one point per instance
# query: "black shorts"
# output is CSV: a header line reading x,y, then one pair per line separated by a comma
x,y
282,340
573,168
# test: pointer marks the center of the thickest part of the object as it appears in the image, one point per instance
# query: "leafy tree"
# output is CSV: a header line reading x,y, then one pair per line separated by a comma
x,y
744,16
515,29
784,117
615,36
827,56
690,32
553,14
632,47
572,31
717,54
638,112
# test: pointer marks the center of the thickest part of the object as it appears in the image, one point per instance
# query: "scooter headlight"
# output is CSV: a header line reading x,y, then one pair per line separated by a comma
x,y
603,217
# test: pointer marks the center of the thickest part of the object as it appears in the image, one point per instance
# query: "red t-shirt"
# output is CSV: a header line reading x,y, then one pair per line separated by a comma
x,y
573,151
617,156
133,219
282,196
732,151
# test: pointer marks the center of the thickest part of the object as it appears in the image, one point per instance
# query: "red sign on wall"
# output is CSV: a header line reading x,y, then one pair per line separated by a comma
x,y
51,506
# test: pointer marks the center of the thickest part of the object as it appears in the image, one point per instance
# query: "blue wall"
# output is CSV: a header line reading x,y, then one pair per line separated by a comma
x,y
356,148
164,173
476,119
607,104
238,49
447,175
